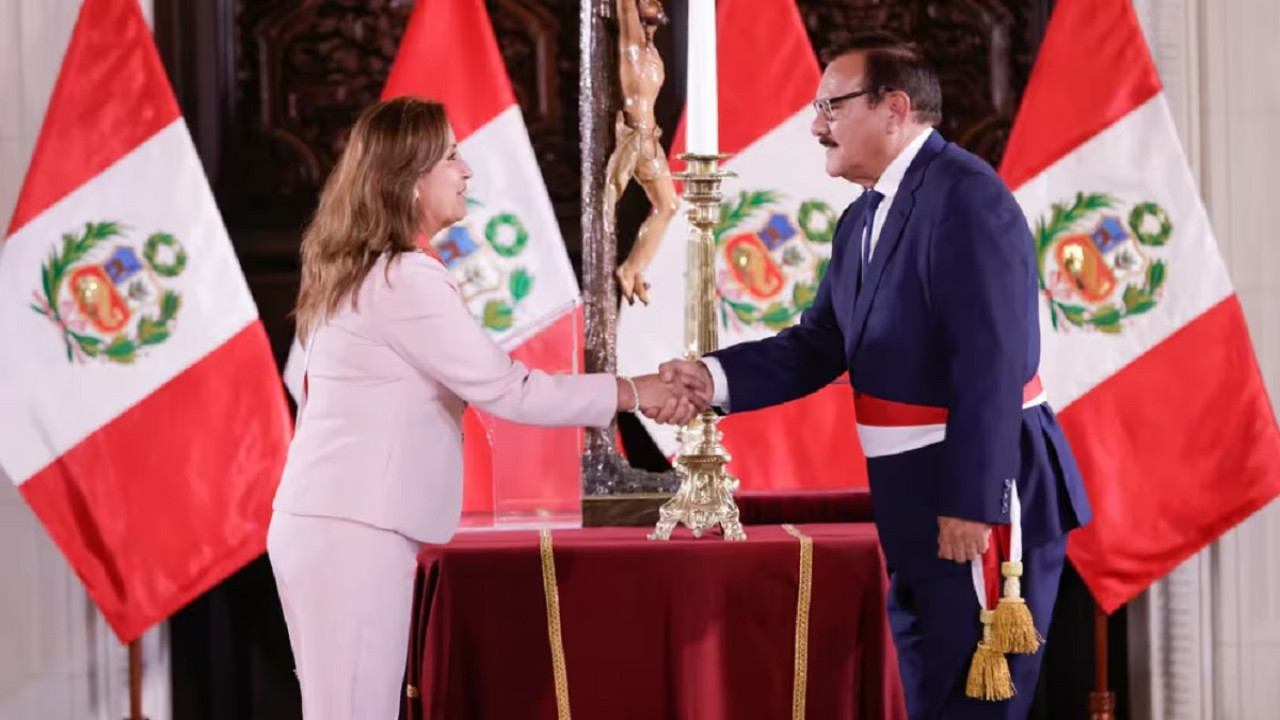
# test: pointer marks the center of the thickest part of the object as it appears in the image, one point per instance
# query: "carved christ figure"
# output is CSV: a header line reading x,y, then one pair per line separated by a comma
x,y
638,153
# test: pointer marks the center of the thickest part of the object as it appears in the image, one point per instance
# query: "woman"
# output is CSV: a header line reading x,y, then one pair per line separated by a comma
x,y
393,357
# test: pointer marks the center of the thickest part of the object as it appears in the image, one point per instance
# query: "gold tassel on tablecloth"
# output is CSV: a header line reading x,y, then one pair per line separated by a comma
x,y
551,592
989,677
1013,630
800,679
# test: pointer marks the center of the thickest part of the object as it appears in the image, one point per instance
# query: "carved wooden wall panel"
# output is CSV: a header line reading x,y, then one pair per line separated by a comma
x,y
304,70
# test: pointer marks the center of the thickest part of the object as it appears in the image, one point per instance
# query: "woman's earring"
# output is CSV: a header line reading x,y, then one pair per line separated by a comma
x,y
415,194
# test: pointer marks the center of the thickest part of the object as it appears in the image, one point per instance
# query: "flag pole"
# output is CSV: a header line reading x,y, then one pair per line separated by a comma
x,y
1102,702
135,680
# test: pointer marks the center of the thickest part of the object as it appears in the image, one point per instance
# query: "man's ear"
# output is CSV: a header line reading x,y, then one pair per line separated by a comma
x,y
899,106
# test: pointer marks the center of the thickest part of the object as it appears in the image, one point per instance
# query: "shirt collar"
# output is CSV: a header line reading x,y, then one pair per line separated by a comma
x,y
892,176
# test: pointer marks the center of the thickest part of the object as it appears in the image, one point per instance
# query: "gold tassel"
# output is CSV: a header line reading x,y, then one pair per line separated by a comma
x,y
1013,629
989,677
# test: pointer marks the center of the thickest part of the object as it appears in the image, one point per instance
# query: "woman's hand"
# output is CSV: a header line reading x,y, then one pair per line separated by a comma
x,y
664,402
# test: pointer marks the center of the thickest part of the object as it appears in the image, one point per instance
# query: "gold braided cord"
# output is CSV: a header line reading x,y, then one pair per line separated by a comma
x,y
552,594
801,679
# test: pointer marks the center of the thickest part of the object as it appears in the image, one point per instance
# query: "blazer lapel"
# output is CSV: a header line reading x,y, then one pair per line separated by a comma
x,y
903,202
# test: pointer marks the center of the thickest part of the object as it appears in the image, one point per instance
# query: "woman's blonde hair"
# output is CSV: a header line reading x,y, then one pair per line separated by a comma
x,y
367,207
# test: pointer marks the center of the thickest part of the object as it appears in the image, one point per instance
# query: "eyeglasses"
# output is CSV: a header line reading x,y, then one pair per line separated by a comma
x,y
826,106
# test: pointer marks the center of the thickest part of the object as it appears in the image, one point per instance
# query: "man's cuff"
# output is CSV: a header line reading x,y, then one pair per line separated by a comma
x,y
719,383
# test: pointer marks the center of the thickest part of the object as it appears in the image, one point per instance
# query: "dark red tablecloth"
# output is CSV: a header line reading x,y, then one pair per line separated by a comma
x,y
697,629
771,507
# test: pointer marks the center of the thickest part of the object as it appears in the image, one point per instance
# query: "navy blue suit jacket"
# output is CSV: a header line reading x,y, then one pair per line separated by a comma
x,y
948,317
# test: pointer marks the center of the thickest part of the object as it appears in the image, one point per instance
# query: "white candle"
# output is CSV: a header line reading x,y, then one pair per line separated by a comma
x,y
702,102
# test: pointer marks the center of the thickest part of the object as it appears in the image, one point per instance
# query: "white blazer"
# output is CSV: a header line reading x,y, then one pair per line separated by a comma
x,y
379,433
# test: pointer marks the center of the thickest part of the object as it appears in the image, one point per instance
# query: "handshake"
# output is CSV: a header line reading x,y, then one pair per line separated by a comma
x,y
674,395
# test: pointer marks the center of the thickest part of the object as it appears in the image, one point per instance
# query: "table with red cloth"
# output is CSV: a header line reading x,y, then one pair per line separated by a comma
x,y
633,628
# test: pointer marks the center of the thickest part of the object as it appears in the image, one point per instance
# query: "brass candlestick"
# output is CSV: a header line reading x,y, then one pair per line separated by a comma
x,y
705,496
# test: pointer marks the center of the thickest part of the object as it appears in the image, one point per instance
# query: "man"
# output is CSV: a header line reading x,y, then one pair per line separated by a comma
x,y
638,152
930,304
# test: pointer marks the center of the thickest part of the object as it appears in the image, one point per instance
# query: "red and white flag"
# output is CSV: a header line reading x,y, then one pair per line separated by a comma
x,y
143,419
508,255
1145,352
772,249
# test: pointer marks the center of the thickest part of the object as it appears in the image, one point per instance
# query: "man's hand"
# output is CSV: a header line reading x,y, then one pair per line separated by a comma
x,y
694,376
962,540
666,402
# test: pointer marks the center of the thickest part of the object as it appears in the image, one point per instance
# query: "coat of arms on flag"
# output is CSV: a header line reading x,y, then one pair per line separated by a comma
x,y
492,281
1098,260
107,295
770,262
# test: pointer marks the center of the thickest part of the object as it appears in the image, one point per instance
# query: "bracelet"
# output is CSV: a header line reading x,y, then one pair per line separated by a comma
x,y
635,394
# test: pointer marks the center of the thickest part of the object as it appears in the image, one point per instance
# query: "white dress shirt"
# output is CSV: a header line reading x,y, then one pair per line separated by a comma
x,y
887,185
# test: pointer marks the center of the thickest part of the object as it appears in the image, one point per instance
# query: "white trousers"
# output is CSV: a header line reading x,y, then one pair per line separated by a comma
x,y
347,590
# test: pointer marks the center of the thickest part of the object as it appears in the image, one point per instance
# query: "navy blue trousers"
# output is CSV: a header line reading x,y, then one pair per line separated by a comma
x,y
935,628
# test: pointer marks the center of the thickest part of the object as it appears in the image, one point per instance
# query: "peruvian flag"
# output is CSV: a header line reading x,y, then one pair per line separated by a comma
x,y
143,418
772,248
1145,352
508,255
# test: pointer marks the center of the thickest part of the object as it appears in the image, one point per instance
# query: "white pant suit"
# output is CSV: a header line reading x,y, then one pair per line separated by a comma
x,y
375,470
